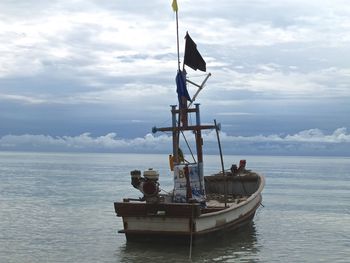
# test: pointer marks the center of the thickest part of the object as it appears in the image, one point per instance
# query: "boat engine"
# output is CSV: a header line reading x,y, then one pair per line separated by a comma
x,y
148,184
237,170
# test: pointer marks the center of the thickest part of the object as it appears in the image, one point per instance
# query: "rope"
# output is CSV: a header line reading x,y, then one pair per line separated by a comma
x,y
188,146
198,76
164,191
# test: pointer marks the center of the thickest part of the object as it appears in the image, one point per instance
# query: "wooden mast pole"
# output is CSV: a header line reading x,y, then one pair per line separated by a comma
x,y
176,140
176,135
222,161
177,40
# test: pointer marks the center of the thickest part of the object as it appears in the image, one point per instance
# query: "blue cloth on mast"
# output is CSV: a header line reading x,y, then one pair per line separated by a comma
x,y
181,87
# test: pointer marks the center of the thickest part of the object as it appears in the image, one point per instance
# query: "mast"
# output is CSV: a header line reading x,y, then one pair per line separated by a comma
x,y
176,9
176,134
176,129
193,59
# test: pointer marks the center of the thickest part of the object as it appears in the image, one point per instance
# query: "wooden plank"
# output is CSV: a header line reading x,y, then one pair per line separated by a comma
x,y
187,128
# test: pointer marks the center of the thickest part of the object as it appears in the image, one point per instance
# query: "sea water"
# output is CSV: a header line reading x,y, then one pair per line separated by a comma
x,y
57,207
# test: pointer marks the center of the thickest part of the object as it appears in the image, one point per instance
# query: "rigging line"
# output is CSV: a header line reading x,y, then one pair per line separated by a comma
x,y
197,76
188,146
166,121
164,191
166,133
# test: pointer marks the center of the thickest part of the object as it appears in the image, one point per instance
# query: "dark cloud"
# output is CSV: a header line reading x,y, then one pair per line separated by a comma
x,y
109,66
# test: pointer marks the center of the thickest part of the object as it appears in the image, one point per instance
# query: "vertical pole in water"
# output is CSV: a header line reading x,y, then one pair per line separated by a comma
x,y
222,162
191,232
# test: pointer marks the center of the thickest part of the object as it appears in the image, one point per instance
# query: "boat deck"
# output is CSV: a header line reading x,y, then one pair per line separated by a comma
x,y
217,204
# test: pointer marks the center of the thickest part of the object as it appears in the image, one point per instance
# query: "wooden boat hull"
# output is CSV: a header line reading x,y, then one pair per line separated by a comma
x,y
182,233
179,222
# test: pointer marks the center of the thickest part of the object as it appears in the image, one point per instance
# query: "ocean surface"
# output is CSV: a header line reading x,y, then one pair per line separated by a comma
x,y
59,208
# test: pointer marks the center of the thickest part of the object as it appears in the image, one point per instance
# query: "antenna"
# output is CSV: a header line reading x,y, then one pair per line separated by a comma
x,y
200,87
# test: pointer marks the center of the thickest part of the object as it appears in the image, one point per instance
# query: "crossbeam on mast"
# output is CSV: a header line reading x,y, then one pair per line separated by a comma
x,y
187,128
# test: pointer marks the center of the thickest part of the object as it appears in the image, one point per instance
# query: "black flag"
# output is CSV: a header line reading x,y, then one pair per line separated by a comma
x,y
193,58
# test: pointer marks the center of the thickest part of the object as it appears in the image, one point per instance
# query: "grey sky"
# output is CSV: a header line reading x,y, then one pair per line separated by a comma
x,y
280,68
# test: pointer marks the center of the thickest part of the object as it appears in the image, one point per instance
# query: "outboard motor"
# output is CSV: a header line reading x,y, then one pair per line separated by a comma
x,y
148,184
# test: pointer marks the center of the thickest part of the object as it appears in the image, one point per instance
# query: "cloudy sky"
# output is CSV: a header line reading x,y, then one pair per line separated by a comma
x,y
96,75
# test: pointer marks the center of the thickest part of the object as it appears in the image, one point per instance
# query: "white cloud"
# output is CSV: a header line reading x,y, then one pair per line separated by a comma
x,y
340,135
66,36
233,113
311,140
83,142
91,42
275,81
20,98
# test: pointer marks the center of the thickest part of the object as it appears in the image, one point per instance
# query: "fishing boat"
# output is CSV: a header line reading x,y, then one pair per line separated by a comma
x,y
199,205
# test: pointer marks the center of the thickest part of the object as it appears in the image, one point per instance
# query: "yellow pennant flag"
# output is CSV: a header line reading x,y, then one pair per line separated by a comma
x,y
174,5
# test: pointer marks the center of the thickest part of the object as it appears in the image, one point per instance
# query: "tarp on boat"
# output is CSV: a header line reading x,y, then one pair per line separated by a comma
x,y
191,174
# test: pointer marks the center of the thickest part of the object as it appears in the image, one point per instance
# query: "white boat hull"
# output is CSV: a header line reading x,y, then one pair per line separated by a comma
x,y
169,222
